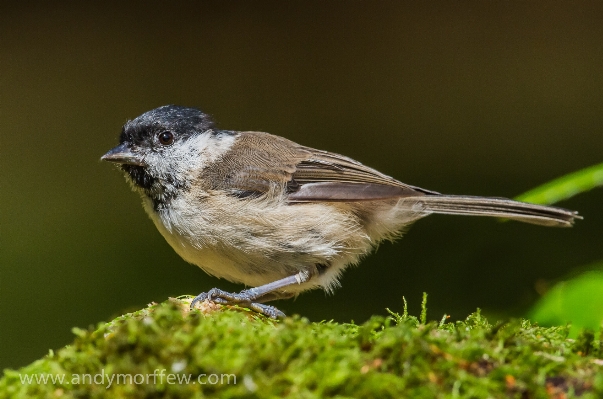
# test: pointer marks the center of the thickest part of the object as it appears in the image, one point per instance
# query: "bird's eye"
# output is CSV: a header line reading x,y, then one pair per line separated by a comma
x,y
166,138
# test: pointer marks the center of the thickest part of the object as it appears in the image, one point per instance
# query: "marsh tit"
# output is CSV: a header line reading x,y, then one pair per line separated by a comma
x,y
279,217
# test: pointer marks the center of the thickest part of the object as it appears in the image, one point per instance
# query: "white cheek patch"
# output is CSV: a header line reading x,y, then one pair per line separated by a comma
x,y
211,147
186,158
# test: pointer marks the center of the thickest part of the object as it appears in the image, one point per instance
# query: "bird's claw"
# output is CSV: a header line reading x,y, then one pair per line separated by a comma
x,y
244,298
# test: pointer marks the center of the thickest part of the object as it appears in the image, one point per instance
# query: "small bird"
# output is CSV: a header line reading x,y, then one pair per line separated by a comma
x,y
279,217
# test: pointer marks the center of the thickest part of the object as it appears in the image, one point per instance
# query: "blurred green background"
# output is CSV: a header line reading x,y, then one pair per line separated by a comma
x,y
482,98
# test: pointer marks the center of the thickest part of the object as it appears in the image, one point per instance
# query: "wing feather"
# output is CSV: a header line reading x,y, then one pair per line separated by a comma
x,y
260,162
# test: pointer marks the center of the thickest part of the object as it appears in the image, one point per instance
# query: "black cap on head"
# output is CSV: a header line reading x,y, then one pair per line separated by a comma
x,y
183,121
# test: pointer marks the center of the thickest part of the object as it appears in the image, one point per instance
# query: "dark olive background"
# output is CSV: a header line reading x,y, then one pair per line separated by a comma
x,y
483,98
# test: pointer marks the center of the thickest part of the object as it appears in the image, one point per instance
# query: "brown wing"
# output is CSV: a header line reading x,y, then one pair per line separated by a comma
x,y
259,162
256,163
327,176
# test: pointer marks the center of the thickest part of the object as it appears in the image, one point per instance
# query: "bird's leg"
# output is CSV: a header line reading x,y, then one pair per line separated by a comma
x,y
253,297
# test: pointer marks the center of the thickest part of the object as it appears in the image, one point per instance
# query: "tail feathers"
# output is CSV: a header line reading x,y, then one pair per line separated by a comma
x,y
498,207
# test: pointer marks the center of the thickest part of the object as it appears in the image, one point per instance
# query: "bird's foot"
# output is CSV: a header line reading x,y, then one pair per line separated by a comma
x,y
244,298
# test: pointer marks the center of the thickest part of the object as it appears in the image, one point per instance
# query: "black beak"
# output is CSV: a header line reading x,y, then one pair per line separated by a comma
x,y
122,154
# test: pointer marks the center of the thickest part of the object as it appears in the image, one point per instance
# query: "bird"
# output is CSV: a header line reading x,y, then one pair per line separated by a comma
x,y
279,217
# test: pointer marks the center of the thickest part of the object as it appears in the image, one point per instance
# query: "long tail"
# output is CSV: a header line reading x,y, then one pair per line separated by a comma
x,y
498,207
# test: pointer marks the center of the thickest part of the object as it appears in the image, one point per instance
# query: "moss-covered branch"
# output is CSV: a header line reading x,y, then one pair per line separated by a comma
x,y
250,356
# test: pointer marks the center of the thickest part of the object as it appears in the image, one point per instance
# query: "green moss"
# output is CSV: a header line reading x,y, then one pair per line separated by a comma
x,y
385,357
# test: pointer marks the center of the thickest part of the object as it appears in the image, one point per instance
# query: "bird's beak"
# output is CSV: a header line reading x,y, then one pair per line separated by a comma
x,y
122,154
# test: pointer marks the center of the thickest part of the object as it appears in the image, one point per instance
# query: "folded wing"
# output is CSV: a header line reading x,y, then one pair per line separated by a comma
x,y
260,162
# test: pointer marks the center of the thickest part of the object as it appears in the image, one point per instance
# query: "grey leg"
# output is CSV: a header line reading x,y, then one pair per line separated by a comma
x,y
253,297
